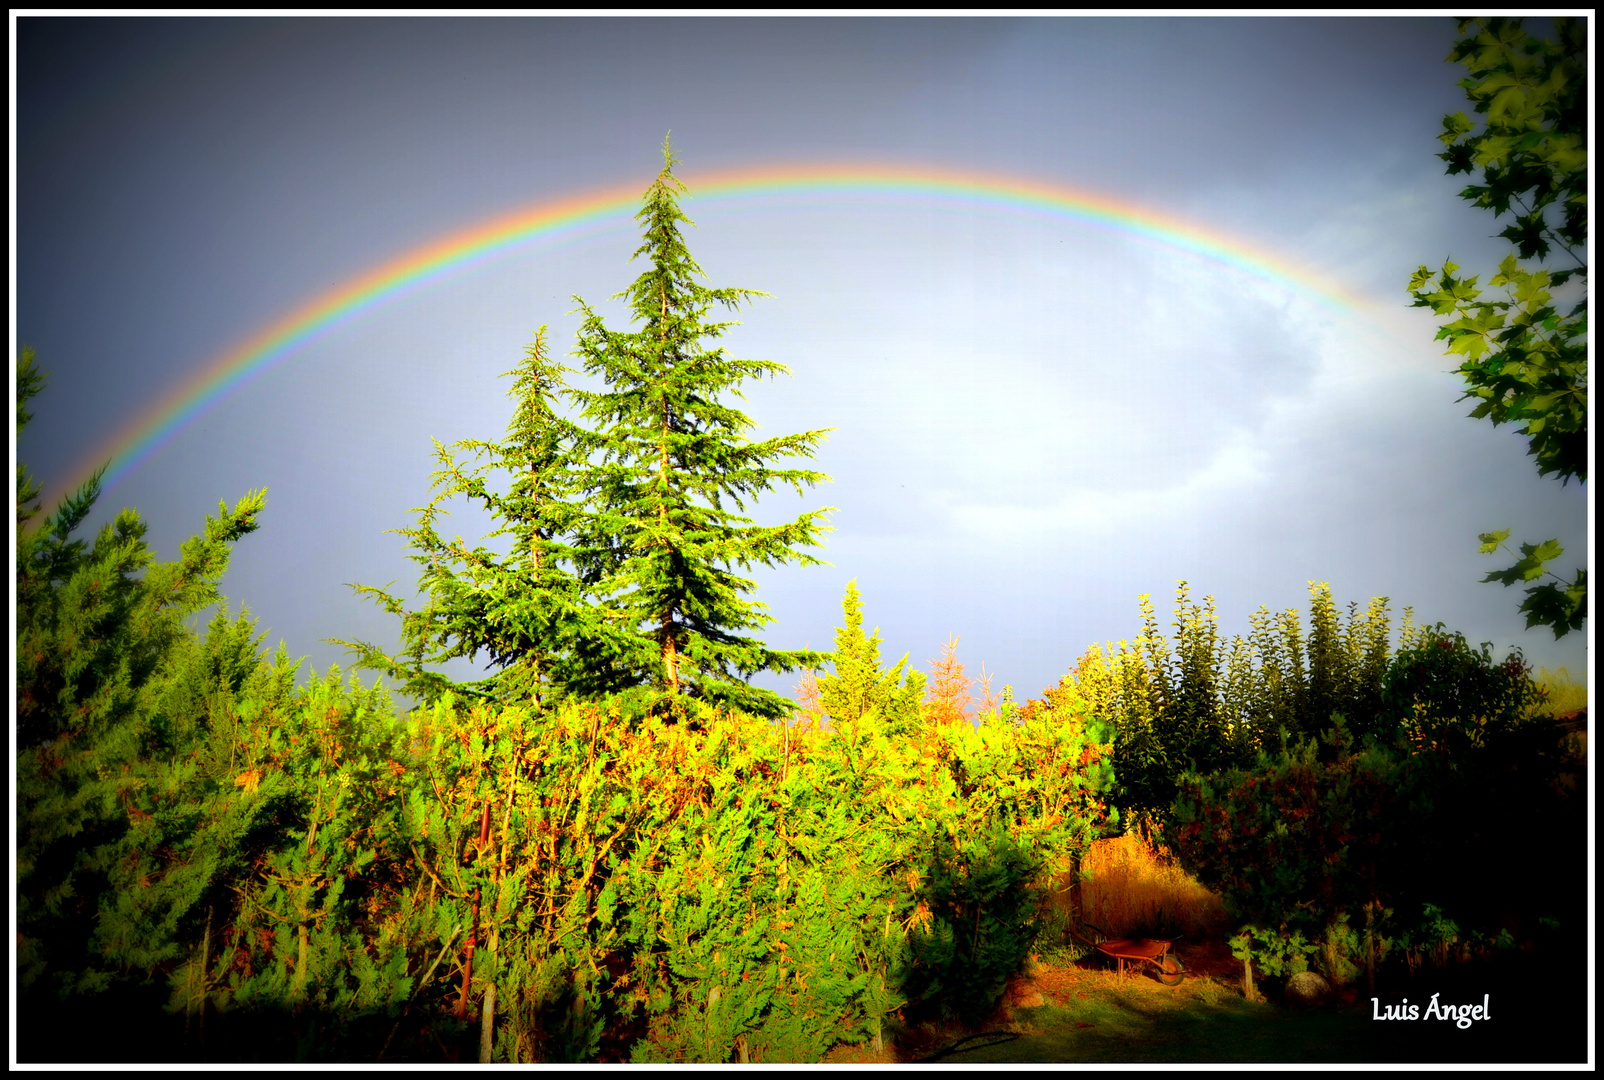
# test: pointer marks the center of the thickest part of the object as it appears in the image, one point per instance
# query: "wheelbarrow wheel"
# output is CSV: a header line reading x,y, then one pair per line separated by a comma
x,y
1170,970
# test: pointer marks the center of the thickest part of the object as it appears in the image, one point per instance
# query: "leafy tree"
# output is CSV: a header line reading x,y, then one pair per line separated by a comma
x,y
1188,721
1525,361
526,610
1202,706
1166,706
859,686
668,462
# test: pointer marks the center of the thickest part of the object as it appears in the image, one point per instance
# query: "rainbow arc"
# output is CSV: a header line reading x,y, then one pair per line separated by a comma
x,y
550,221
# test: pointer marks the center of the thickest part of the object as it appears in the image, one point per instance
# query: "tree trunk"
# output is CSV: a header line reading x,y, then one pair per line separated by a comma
x,y
467,959
298,988
1370,948
1077,911
670,657
473,925
206,959
712,1004
487,1024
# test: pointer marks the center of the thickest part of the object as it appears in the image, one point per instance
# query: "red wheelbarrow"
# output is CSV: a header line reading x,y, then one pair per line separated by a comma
x,y
1137,951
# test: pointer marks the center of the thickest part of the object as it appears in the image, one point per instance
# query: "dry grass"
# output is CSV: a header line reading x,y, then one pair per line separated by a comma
x,y
1565,694
1131,889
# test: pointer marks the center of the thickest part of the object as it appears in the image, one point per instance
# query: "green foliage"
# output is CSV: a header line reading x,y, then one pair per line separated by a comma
x,y
100,634
328,772
527,610
985,900
870,873
1202,707
770,926
185,815
1525,360
1448,780
1440,690
1561,606
1274,952
859,687
557,788
317,874
1431,937
251,875
1336,950
1293,839
731,888
31,380
670,464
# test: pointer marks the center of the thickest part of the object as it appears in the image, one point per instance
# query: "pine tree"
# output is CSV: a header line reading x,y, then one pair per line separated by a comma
x,y
949,701
98,628
526,611
859,687
671,465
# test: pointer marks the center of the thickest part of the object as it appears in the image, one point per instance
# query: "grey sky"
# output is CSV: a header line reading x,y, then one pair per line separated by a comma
x,y
1034,421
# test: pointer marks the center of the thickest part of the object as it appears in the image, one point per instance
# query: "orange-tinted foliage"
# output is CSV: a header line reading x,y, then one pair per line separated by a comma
x,y
988,700
949,700
807,696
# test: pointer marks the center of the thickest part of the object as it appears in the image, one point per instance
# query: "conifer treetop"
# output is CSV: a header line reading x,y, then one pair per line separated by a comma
x,y
525,611
949,701
859,686
671,466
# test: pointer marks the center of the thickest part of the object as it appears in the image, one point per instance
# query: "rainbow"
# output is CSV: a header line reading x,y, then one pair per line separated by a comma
x,y
550,221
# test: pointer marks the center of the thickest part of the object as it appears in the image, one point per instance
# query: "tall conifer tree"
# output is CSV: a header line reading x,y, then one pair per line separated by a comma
x,y
671,466
525,610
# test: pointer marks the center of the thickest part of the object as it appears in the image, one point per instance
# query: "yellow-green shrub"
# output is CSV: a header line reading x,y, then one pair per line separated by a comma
x,y
735,888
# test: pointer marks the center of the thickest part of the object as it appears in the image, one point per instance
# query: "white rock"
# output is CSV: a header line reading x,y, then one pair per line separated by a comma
x,y
1307,988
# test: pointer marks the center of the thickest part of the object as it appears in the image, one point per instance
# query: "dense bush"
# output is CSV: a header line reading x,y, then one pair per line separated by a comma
x,y
1460,829
1439,688
1335,793
751,889
318,873
1294,839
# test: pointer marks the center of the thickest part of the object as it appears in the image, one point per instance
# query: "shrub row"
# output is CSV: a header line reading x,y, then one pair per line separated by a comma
x,y
1341,795
341,883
